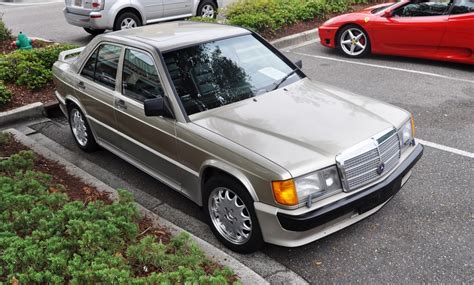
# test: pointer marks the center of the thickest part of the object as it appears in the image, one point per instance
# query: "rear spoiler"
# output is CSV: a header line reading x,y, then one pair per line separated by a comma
x,y
63,56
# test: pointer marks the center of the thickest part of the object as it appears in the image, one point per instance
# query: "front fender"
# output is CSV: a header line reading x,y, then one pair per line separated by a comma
x,y
236,173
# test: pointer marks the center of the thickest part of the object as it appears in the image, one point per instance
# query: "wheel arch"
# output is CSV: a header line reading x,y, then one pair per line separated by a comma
x,y
215,167
336,40
69,101
131,9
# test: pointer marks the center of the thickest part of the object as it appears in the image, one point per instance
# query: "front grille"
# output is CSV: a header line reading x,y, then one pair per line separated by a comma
x,y
359,165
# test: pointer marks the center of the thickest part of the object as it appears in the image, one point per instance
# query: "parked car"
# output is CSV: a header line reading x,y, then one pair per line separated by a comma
x,y
218,114
96,16
431,29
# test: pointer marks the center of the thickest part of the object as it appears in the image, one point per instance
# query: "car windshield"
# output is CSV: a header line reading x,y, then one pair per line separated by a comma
x,y
214,74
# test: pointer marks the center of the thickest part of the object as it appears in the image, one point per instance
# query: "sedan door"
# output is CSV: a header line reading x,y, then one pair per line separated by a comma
x,y
149,142
458,41
413,29
173,8
95,88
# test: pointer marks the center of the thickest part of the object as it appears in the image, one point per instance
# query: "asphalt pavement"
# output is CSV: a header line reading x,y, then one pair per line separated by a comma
x,y
424,234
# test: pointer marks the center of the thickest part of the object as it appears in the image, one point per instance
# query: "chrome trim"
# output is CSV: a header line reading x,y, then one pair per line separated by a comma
x,y
360,170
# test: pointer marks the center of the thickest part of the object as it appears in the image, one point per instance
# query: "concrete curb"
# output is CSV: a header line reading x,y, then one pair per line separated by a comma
x,y
25,112
295,39
246,275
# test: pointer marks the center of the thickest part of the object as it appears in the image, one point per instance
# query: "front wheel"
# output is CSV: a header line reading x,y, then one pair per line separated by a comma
x,y
207,9
231,215
353,41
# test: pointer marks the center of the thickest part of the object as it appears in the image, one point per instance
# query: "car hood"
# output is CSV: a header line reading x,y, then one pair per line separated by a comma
x,y
301,127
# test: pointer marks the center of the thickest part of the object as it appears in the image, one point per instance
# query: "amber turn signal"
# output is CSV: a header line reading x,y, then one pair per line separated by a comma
x,y
413,131
285,192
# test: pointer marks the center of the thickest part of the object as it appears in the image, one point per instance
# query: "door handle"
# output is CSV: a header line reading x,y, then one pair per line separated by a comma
x,y
120,104
81,85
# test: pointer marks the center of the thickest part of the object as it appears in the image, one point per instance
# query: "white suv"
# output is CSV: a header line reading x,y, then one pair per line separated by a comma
x,y
96,16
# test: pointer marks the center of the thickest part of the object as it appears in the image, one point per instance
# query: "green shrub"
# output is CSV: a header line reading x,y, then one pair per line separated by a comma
x,y
272,15
5,33
5,94
4,138
31,68
45,238
33,75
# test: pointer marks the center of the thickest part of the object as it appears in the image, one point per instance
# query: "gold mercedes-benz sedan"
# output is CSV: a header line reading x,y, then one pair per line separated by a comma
x,y
218,114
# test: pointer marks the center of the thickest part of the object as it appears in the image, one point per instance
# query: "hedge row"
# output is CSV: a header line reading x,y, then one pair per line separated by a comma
x,y
270,16
30,68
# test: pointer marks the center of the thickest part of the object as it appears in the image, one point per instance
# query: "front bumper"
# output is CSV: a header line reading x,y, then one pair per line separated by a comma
x,y
327,36
94,20
296,230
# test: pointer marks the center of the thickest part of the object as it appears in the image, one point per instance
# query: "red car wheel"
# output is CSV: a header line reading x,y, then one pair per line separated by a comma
x,y
353,41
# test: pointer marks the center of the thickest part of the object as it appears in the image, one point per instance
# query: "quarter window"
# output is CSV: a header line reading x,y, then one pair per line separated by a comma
x,y
102,65
89,67
140,79
463,7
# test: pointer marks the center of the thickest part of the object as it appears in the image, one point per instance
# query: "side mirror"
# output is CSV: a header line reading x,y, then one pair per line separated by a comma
x,y
299,63
387,13
157,107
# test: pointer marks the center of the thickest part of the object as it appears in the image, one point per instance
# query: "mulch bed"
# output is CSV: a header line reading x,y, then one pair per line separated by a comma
x,y
79,191
23,96
8,46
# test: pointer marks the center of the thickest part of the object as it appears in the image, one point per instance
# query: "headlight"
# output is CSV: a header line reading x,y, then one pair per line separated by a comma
x,y
304,189
407,134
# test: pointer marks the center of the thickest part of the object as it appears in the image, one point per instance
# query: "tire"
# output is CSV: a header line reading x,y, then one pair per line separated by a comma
x,y
240,200
350,41
94,32
81,132
130,17
207,9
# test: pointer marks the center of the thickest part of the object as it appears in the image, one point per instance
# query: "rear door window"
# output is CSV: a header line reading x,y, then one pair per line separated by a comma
x,y
102,65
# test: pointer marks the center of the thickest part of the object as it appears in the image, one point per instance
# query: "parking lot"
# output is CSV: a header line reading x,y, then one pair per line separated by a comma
x,y
425,234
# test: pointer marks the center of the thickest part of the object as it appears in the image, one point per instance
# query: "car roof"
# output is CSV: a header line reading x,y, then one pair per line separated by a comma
x,y
174,35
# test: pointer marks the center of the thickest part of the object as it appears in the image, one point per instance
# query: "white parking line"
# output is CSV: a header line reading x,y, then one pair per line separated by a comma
x,y
447,148
384,67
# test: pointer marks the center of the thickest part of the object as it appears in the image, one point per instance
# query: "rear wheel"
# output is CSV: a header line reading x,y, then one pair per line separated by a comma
x,y
231,215
353,41
207,9
127,20
80,130
94,32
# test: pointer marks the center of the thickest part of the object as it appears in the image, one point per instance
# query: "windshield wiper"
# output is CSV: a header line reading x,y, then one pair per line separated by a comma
x,y
284,79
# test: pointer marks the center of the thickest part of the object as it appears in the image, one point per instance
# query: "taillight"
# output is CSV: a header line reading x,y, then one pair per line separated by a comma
x,y
98,4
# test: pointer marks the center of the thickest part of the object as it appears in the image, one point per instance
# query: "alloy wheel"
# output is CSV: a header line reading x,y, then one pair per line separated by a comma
x,y
79,128
353,42
230,216
207,11
128,23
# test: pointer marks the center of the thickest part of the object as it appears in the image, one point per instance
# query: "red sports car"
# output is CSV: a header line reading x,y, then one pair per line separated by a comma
x,y
433,29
